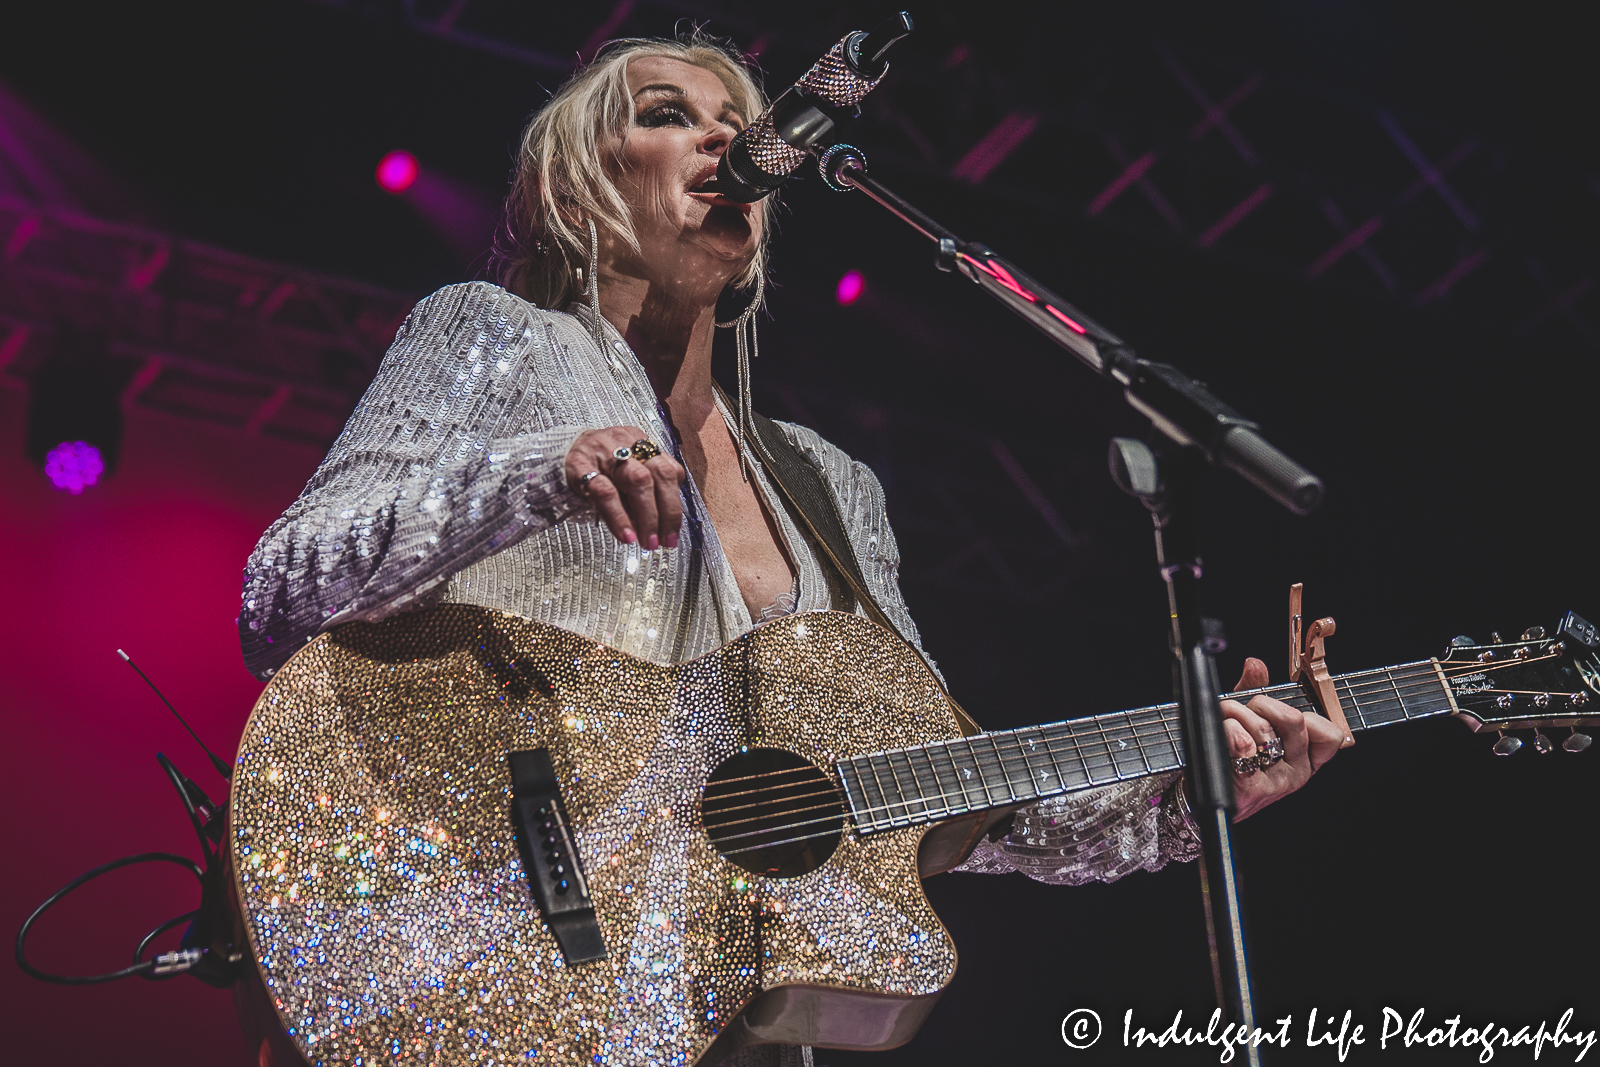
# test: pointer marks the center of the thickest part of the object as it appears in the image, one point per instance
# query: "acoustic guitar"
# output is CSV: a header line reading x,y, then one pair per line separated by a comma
x,y
461,837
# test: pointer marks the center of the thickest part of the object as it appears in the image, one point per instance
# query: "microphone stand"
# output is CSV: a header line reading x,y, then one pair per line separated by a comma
x,y
1195,429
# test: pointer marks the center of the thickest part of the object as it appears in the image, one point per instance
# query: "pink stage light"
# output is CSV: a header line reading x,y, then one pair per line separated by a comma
x,y
850,288
397,171
74,465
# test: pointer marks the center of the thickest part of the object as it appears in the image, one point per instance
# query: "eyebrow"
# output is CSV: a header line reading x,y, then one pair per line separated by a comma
x,y
668,89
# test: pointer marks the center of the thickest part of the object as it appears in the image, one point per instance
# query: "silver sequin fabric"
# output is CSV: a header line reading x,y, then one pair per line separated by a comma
x,y
1094,836
447,485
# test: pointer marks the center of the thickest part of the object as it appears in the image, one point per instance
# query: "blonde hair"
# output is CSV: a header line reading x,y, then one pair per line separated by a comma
x,y
543,245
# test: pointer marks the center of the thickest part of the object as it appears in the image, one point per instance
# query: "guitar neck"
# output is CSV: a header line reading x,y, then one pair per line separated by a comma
x,y
912,786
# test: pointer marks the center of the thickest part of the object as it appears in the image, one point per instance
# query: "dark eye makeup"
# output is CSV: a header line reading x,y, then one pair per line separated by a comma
x,y
666,115
670,114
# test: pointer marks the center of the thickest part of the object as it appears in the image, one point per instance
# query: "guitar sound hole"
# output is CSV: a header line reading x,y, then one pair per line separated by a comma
x,y
772,813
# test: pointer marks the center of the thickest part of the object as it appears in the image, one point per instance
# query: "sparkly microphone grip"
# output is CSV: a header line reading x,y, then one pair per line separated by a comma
x,y
778,141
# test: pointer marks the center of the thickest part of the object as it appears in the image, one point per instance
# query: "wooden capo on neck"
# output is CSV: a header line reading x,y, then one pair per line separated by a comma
x,y
1308,666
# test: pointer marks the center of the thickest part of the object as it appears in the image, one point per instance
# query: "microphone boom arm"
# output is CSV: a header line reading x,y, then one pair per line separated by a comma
x,y
1181,408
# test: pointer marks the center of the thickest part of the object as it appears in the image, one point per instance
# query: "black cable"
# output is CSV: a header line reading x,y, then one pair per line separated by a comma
x,y
138,953
178,783
105,868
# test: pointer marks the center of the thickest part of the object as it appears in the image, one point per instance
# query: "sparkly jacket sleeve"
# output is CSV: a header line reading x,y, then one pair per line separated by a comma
x,y
450,456
1095,835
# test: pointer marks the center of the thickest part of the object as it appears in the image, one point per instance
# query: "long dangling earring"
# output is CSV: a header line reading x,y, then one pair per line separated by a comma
x,y
744,324
592,284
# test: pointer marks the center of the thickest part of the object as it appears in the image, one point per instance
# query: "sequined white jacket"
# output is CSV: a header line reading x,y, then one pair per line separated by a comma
x,y
447,484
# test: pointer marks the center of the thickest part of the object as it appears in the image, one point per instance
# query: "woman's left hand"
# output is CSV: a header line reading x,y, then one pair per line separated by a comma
x,y
1309,741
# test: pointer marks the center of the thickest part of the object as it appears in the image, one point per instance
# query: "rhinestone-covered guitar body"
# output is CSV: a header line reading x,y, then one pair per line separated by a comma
x,y
388,908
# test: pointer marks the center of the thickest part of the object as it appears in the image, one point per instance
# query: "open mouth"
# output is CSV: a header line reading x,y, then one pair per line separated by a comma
x,y
708,191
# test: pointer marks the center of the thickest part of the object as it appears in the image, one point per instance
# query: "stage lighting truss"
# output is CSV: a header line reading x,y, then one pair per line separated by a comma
x,y
1176,145
195,331
262,349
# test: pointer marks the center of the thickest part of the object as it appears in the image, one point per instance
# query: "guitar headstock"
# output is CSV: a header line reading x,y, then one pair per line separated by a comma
x,y
1534,682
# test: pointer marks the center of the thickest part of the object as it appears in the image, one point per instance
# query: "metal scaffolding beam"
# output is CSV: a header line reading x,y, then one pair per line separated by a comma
x,y
264,349
199,331
1228,161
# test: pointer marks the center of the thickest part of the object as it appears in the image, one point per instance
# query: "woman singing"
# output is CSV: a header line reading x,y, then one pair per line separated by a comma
x,y
555,447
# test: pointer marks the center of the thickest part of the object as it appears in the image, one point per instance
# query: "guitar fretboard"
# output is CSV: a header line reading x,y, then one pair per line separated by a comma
x,y
911,786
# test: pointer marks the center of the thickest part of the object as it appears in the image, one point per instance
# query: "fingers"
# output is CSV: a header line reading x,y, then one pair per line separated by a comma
x,y
1253,677
637,500
638,488
1240,744
1325,738
1309,741
653,499
1288,723
1248,722
602,492
668,475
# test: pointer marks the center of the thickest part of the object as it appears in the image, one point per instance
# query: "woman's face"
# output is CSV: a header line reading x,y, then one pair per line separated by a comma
x,y
683,123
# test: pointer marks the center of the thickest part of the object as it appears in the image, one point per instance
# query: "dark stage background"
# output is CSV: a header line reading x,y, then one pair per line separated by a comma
x,y
1449,413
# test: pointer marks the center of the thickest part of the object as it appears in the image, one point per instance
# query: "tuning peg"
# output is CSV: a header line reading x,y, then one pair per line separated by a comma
x,y
1494,637
1542,744
1507,744
1533,633
1577,742
1462,642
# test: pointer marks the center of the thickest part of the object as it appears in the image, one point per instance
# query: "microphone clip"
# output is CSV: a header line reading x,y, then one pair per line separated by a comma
x,y
865,52
807,116
802,122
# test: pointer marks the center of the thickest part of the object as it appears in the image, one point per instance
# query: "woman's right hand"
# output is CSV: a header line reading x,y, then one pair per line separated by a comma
x,y
637,500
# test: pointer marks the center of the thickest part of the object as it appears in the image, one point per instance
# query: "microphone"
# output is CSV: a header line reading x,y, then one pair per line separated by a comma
x,y
772,147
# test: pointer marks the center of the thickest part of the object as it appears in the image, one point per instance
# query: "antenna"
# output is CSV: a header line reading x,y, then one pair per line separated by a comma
x,y
220,767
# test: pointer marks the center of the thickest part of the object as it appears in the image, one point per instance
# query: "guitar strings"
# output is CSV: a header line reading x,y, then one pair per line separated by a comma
x,y
837,817
1391,679
710,798
785,841
767,774
1400,681
1418,676
775,803
745,792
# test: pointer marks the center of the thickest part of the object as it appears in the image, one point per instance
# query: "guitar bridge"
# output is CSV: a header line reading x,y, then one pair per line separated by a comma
x,y
549,860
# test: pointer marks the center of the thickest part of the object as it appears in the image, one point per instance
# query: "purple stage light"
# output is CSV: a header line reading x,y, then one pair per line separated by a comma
x,y
850,287
397,171
73,465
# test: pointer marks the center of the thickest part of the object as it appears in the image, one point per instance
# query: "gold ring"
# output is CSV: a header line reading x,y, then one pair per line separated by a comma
x,y
643,449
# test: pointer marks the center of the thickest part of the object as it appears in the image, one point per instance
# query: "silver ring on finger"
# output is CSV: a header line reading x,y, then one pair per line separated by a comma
x,y
583,483
1270,752
623,454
